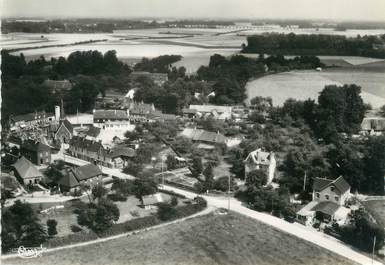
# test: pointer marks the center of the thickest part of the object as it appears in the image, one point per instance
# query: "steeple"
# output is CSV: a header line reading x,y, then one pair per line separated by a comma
x,y
61,110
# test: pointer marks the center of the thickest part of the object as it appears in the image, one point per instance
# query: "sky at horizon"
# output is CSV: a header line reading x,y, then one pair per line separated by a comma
x,y
360,10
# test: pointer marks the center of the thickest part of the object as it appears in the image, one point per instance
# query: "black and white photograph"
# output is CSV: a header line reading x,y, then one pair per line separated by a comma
x,y
206,132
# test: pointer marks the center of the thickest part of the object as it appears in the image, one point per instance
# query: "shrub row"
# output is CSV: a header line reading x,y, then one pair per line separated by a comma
x,y
131,225
172,193
71,239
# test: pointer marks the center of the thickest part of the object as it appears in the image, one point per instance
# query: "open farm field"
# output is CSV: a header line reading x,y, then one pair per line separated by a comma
x,y
302,85
211,239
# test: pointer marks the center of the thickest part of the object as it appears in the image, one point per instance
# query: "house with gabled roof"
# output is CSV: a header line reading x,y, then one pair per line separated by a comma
x,y
329,197
26,172
36,152
259,159
89,174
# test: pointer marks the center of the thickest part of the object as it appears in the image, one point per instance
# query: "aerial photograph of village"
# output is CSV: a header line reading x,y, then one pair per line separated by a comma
x,y
173,132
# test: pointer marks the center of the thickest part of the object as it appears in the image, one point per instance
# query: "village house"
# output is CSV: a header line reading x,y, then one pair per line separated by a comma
x,y
65,131
139,111
189,113
204,137
214,111
327,205
94,152
259,159
89,175
30,119
26,172
36,152
111,119
373,126
158,78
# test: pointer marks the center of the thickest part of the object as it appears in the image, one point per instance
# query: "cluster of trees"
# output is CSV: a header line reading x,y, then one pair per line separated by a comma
x,y
89,63
360,232
20,227
91,72
56,26
229,77
161,64
262,198
315,44
173,96
340,109
100,213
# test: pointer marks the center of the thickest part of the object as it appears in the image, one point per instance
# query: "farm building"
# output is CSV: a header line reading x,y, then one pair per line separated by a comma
x,y
203,136
89,174
26,172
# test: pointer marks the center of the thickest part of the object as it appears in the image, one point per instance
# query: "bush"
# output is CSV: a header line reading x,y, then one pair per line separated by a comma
x,y
52,223
76,229
117,197
174,201
166,211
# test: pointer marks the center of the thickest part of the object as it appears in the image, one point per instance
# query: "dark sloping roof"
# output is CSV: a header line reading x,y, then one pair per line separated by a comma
x,y
326,207
26,169
89,145
321,183
68,125
93,131
189,111
111,114
31,145
340,183
122,151
68,180
87,171
29,116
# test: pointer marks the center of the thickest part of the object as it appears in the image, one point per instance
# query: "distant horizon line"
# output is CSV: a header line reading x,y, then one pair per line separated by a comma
x,y
233,19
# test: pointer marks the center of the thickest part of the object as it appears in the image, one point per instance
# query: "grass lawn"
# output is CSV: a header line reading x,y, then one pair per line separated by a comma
x,y
211,239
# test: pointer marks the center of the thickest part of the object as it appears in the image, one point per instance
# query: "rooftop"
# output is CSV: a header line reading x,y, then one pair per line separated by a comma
x,y
26,169
35,146
340,183
110,115
152,199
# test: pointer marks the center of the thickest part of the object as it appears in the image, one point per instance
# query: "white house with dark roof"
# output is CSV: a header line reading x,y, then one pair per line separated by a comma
x,y
259,159
111,119
329,197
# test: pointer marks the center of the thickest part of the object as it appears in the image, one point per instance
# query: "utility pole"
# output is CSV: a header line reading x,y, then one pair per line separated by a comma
x,y
374,246
304,181
228,194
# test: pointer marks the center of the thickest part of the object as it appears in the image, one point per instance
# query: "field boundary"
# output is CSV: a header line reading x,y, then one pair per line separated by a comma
x,y
206,210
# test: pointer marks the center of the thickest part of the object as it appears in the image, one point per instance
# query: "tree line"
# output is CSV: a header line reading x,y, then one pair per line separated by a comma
x,y
315,44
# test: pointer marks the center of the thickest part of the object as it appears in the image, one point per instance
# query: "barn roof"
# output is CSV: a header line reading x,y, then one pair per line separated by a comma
x,y
26,169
